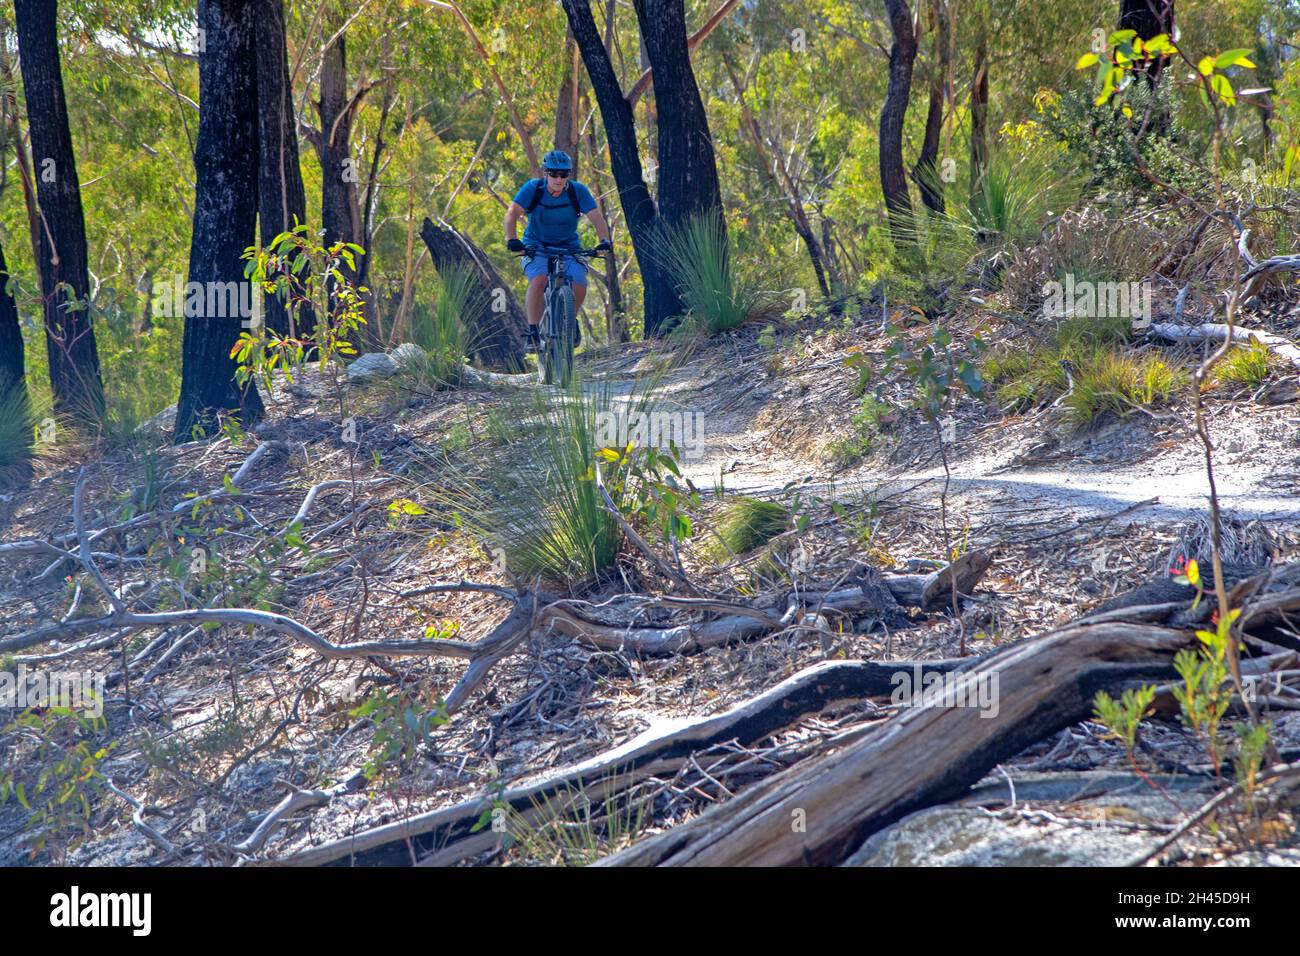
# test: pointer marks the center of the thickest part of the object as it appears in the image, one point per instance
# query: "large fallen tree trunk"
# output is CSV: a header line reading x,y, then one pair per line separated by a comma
x,y
820,811
444,836
496,320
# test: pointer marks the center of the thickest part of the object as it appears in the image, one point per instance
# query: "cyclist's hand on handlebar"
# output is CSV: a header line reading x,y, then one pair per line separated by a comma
x,y
515,245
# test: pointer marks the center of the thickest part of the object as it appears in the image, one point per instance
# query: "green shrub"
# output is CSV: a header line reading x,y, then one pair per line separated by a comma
x,y
1246,365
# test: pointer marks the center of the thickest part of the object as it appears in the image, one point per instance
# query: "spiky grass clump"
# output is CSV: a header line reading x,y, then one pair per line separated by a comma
x,y
746,523
17,425
1246,365
1015,195
697,256
1025,376
442,332
1112,383
534,500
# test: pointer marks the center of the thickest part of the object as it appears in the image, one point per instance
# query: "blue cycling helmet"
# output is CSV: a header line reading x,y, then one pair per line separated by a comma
x,y
557,159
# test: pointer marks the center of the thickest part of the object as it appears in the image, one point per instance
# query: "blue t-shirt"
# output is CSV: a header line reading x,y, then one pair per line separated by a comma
x,y
553,221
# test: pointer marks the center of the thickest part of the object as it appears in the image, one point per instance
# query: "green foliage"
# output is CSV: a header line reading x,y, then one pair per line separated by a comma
x,y
308,278
1122,717
744,524
403,723
1204,696
52,769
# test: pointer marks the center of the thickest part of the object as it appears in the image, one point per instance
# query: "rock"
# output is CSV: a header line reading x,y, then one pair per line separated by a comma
x,y
160,424
945,836
372,367
408,353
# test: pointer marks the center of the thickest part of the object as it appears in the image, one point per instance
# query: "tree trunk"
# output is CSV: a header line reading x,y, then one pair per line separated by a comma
x,y
660,296
926,172
340,210
688,174
495,319
1149,18
979,119
566,105
615,318
893,181
281,198
225,219
12,365
61,260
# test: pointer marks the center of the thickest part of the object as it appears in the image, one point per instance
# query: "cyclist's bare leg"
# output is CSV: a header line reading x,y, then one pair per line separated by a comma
x,y
579,293
535,299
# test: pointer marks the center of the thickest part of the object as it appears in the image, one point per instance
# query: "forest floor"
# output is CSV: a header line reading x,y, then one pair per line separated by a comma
x,y
1071,516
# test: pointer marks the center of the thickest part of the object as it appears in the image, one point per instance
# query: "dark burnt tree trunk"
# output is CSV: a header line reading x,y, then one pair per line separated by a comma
x,y
281,198
688,173
926,170
660,296
893,180
494,317
340,210
1149,18
225,219
979,119
61,257
13,384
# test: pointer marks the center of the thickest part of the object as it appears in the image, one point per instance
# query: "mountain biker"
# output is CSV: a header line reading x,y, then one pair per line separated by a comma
x,y
553,205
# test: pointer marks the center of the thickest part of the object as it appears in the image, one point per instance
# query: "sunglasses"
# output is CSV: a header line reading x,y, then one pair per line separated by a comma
x,y
558,173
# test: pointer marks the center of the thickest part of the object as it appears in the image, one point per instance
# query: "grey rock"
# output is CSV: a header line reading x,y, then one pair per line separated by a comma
x,y
372,367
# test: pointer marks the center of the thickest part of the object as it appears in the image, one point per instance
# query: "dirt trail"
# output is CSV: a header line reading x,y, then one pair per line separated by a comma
x,y
1257,461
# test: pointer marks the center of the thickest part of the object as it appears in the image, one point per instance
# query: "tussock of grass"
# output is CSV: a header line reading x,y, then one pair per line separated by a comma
x,y
746,523
1025,376
442,331
532,500
697,255
1247,365
1109,382
16,432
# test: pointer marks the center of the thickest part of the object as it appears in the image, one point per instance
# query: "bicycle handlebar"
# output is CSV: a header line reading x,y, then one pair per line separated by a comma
x,y
549,250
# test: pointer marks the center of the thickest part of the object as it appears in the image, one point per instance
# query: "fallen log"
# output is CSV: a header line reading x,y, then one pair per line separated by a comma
x,y
820,811
1218,332
444,836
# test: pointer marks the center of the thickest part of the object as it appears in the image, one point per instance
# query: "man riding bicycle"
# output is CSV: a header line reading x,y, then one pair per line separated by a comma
x,y
553,205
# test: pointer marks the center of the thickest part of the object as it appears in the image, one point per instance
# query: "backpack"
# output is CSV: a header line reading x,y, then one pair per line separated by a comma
x,y
541,191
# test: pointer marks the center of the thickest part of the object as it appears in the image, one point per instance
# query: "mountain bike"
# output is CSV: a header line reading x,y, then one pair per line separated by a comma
x,y
559,324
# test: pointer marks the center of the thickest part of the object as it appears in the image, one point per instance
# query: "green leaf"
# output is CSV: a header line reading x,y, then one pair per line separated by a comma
x,y
1206,66
1219,83
1121,36
1233,58
1085,61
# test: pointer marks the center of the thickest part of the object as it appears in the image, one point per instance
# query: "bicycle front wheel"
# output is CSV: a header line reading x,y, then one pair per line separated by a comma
x,y
556,355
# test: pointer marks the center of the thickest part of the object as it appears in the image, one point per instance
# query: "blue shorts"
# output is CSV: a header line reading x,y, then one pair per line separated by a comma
x,y
536,266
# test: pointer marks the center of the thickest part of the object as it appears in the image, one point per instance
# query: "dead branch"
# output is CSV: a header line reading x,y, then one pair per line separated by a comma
x,y
445,836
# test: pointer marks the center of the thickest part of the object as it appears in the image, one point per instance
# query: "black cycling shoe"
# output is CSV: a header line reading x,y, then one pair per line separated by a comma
x,y
533,340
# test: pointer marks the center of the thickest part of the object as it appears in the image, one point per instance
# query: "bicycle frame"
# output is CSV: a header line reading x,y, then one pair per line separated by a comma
x,y
555,355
